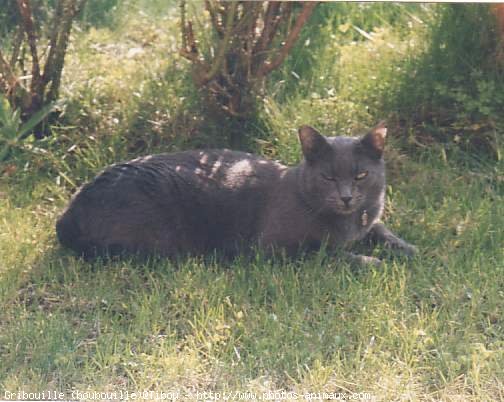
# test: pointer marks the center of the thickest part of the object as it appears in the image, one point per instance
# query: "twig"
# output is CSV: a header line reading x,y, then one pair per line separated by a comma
x,y
270,21
250,38
269,31
215,20
266,68
183,25
236,70
223,46
70,11
49,65
27,17
189,49
16,46
7,78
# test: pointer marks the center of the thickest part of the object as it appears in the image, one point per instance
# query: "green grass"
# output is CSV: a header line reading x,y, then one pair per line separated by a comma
x,y
426,329
431,326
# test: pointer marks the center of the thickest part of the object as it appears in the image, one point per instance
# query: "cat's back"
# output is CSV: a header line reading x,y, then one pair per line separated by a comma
x,y
184,201
193,171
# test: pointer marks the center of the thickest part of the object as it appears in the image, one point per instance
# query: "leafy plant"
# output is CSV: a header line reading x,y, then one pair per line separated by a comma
x,y
248,40
31,92
453,92
12,129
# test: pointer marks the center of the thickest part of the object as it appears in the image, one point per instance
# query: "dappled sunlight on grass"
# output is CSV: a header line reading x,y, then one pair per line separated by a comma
x,y
408,329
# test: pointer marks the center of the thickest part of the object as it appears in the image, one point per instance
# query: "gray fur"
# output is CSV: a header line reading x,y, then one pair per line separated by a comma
x,y
194,202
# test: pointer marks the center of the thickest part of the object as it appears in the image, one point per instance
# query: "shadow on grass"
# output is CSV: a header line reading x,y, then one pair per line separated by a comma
x,y
174,114
76,320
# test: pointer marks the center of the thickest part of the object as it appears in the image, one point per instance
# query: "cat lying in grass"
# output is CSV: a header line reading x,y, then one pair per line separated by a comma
x,y
195,202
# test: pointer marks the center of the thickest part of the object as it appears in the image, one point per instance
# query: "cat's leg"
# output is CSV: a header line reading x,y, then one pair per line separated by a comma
x,y
380,234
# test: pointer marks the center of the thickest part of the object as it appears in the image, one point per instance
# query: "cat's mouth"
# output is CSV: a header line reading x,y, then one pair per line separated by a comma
x,y
342,209
336,205
346,209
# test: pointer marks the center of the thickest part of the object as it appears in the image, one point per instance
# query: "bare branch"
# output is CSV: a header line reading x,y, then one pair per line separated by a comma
x,y
11,86
49,65
7,78
270,22
267,67
16,46
252,9
190,52
214,18
248,33
27,17
273,20
183,24
70,10
223,46
189,49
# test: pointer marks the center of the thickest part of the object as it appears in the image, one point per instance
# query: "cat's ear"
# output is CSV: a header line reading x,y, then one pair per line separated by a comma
x,y
313,144
374,141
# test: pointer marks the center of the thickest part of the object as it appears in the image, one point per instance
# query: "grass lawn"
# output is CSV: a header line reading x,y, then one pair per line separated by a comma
x,y
430,328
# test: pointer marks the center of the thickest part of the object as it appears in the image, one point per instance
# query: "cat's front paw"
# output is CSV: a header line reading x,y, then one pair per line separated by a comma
x,y
365,260
373,261
409,249
400,246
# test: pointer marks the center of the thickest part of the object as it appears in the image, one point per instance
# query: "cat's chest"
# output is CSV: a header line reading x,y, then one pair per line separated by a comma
x,y
346,228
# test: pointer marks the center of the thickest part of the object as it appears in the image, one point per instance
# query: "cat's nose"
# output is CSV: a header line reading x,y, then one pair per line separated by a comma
x,y
346,200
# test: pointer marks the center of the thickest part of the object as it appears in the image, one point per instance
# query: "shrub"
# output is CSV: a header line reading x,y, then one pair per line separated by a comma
x,y
32,92
247,42
454,92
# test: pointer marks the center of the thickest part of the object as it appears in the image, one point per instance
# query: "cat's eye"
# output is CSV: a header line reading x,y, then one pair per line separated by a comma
x,y
361,175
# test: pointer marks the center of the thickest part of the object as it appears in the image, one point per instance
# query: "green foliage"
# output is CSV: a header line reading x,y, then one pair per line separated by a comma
x,y
455,88
350,83
95,13
99,12
9,17
313,63
12,130
259,324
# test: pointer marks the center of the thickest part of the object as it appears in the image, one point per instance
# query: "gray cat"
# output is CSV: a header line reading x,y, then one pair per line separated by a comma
x,y
194,202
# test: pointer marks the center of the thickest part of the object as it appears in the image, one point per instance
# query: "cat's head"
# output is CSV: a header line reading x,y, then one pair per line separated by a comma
x,y
341,175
